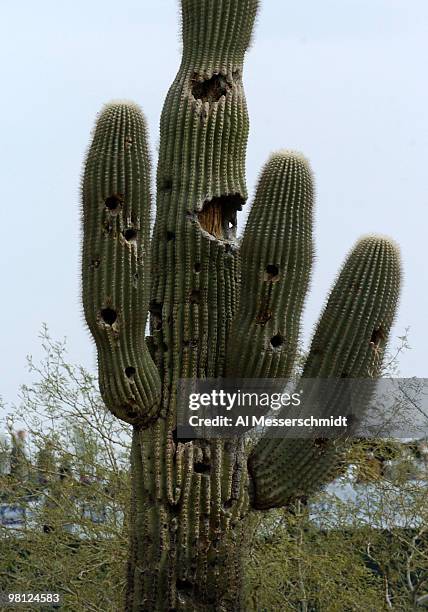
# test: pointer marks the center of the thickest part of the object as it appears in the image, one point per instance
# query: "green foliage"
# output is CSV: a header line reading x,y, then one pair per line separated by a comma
x,y
343,557
75,491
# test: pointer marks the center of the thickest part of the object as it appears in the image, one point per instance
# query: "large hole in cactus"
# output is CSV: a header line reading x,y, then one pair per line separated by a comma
x,y
113,202
130,371
377,337
277,341
130,234
218,216
210,90
108,315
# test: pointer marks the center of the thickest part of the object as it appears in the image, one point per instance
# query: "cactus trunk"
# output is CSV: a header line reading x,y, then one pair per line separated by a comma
x,y
186,555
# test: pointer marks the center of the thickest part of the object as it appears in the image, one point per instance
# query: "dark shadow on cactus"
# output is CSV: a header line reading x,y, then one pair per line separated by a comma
x,y
202,468
130,371
321,443
95,263
218,216
264,315
170,236
166,184
210,90
195,296
155,310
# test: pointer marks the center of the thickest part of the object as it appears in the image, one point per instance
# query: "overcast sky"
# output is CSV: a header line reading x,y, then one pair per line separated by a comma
x,y
343,81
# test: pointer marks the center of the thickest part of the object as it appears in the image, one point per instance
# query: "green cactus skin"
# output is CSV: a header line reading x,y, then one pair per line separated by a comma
x,y
116,261
277,254
349,342
190,498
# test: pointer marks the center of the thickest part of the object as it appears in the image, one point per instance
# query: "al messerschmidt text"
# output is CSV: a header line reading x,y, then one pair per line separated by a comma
x,y
263,421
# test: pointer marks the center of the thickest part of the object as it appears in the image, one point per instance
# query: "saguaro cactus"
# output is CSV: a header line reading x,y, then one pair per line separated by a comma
x,y
190,497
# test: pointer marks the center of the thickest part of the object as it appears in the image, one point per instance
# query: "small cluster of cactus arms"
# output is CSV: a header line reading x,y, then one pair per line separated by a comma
x,y
217,309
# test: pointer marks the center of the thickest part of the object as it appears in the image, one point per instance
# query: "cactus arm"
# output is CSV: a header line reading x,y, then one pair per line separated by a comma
x,y
349,342
276,254
116,261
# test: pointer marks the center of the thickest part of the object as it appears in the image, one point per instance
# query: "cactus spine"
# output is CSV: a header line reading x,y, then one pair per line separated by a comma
x,y
189,498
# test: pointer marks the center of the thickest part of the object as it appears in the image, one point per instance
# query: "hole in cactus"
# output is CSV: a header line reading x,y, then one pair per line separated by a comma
x,y
155,310
271,273
130,371
218,216
197,268
130,234
377,337
170,236
210,90
114,202
108,315
277,341
184,585
195,296
202,468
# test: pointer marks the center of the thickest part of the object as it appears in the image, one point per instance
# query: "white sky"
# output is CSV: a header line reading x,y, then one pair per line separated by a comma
x,y
344,81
